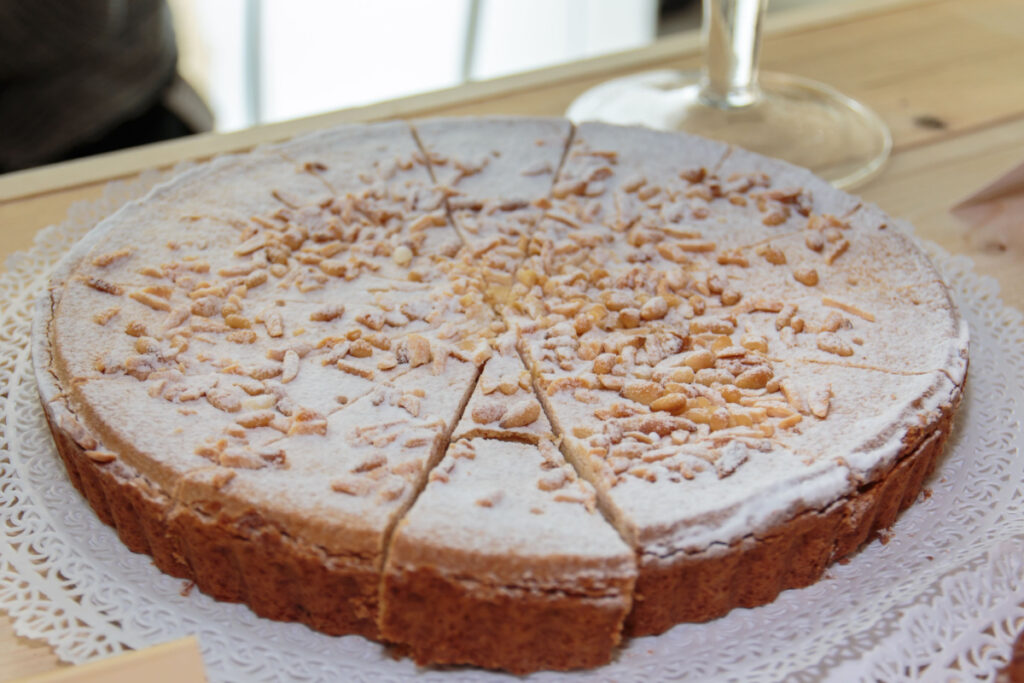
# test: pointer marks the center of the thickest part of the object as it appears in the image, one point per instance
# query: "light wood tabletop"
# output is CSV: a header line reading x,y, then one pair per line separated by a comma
x,y
945,75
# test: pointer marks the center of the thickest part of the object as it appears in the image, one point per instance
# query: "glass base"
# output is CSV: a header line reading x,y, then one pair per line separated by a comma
x,y
795,119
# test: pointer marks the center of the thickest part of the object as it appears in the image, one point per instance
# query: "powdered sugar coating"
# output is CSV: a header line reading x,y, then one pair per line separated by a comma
x,y
511,514
722,341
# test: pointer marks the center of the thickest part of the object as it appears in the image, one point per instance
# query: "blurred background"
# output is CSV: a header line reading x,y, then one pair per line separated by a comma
x,y
83,77
260,61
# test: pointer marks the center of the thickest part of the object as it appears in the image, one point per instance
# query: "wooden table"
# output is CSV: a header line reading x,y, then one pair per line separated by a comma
x,y
944,74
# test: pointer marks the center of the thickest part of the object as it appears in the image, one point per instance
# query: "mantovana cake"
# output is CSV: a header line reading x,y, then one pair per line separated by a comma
x,y
500,391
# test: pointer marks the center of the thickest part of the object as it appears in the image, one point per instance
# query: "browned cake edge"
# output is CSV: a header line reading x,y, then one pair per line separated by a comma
x,y
248,560
754,570
244,560
451,621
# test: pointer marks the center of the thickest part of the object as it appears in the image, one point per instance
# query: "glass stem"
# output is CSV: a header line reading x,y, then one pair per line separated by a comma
x,y
732,46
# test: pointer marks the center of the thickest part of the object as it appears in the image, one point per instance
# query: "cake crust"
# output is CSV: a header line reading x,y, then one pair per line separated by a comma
x,y
754,570
235,560
499,628
256,506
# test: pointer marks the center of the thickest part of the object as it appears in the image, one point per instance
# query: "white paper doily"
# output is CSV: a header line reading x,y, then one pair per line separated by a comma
x,y
943,599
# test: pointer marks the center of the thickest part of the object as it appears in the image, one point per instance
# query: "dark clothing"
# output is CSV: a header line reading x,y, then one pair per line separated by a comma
x,y
72,72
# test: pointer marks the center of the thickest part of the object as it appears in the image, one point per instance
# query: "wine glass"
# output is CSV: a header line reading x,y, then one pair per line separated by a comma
x,y
802,121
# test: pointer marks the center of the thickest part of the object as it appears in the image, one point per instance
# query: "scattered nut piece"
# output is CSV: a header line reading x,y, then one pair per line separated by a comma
x,y
700,246
792,395
418,350
224,399
135,329
790,421
670,403
101,285
104,260
772,254
785,316
352,369
274,323
252,244
833,321
402,255
521,414
334,267
754,342
258,402
629,318
361,349
837,251
733,257
486,412
491,499
154,302
754,378
552,480
656,308
260,418
642,391
242,337
371,462
849,308
700,359
237,322
605,363
353,486
730,296
806,276
683,375
290,368
328,313
409,403
610,382
818,401
815,241
103,317
830,342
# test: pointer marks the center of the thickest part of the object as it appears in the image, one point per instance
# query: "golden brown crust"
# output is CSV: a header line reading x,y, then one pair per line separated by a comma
x,y
697,588
236,560
448,621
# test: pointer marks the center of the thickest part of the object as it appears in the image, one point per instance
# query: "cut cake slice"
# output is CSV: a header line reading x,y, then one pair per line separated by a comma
x,y
498,174
503,404
505,562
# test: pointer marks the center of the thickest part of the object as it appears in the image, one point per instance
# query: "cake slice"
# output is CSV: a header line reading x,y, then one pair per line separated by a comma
x,y
689,341
497,173
503,404
385,208
504,562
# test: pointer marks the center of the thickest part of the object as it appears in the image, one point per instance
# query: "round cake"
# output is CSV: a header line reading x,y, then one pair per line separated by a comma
x,y
499,391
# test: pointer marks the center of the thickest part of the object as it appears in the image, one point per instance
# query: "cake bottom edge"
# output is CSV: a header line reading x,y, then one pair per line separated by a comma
x,y
795,554
438,619
244,560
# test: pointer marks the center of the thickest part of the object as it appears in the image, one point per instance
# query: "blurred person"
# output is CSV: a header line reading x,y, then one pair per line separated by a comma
x,y
81,77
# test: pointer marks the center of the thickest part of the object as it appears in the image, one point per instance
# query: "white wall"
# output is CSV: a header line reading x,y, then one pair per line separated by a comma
x,y
312,56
